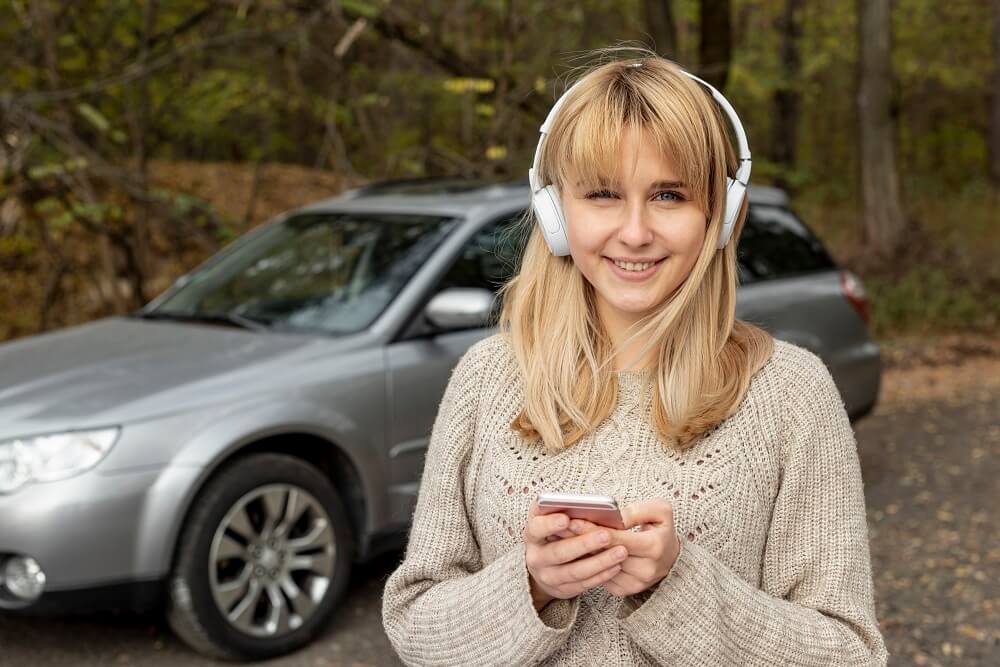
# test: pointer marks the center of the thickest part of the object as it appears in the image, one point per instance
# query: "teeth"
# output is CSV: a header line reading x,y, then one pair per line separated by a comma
x,y
629,266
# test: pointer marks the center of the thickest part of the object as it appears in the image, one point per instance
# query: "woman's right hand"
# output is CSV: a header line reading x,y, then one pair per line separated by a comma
x,y
558,569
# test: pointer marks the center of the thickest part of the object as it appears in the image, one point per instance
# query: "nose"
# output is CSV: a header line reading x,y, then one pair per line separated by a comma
x,y
635,228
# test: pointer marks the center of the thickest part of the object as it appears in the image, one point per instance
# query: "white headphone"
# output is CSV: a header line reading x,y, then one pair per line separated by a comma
x,y
548,209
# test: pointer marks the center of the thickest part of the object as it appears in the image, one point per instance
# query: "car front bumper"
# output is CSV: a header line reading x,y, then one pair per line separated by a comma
x,y
96,532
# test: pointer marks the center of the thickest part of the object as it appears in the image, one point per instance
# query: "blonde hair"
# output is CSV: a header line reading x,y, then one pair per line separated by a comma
x,y
706,358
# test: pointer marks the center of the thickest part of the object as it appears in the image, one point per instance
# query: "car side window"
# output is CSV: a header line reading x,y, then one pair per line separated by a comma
x,y
774,244
490,258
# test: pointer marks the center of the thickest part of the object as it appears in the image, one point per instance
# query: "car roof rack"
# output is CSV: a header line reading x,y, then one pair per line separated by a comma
x,y
428,185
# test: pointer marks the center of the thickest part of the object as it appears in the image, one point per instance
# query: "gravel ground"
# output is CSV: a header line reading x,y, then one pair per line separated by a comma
x,y
354,639
931,460
930,454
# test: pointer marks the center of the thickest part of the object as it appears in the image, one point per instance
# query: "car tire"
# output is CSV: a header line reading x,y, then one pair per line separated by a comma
x,y
212,565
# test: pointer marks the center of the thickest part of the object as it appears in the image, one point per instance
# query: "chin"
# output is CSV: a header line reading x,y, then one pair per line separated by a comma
x,y
633,308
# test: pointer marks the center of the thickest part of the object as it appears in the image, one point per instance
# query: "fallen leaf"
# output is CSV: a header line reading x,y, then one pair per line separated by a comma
x,y
967,630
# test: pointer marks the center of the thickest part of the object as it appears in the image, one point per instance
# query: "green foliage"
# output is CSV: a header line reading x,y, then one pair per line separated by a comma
x,y
459,88
60,168
17,245
366,9
93,116
946,276
926,300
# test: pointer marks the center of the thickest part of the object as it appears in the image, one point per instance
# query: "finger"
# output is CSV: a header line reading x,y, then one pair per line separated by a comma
x,y
637,543
564,551
599,578
584,569
582,526
613,588
560,535
642,569
652,543
657,511
624,584
541,526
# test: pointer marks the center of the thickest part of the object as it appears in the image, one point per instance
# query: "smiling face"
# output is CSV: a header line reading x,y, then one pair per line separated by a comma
x,y
647,218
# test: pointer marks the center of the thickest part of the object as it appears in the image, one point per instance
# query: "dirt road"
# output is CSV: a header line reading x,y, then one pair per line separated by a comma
x,y
931,461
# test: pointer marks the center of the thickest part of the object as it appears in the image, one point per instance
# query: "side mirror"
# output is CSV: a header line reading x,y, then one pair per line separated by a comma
x,y
461,308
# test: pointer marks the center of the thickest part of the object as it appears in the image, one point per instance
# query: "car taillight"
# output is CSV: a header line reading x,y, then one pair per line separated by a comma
x,y
854,291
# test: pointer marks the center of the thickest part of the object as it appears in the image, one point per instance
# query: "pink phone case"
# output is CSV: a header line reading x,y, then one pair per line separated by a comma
x,y
602,510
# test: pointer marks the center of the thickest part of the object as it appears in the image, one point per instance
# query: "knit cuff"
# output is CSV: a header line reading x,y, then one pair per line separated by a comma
x,y
557,617
560,614
675,599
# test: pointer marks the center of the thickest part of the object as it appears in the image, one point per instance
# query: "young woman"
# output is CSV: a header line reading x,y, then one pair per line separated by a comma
x,y
619,369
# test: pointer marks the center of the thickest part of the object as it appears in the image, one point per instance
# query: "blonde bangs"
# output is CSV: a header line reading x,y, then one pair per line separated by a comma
x,y
585,141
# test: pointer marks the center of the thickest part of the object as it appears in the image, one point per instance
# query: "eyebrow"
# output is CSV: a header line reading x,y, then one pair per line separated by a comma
x,y
669,184
658,185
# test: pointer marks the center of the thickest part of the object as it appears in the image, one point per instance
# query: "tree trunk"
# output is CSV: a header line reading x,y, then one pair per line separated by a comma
x,y
715,44
995,105
659,16
881,210
787,96
138,119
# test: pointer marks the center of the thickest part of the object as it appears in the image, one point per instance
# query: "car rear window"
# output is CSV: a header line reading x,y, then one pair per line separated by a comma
x,y
775,244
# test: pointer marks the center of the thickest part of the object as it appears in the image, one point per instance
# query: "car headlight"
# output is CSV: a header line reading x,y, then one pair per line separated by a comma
x,y
47,458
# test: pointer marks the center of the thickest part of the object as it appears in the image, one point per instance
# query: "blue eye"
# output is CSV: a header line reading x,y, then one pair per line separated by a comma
x,y
603,194
677,196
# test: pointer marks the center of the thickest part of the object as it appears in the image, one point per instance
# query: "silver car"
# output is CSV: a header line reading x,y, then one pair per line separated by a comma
x,y
231,450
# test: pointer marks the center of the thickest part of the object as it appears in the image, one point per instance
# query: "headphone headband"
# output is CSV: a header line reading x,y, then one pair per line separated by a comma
x,y
742,172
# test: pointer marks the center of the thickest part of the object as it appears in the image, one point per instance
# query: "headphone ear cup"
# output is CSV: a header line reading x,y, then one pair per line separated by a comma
x,y
735,194
550,218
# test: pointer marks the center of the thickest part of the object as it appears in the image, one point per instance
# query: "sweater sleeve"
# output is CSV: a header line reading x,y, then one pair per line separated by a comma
x,y
816,603
442,605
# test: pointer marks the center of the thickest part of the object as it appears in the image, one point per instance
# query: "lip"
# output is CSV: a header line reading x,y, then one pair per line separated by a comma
x,y
636,260
634,276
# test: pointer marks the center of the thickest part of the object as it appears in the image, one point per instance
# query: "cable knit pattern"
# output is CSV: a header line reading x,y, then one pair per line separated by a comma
x,y
769,504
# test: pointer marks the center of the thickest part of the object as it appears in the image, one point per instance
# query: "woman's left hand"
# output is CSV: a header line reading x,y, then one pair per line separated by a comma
x,y
652,551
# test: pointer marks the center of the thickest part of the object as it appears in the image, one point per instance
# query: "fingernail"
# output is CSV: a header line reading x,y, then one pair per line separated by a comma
x,y
620,552
561,521
603,538
575,526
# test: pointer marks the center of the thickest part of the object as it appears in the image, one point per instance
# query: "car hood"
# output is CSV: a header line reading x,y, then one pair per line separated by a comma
x,y
121,369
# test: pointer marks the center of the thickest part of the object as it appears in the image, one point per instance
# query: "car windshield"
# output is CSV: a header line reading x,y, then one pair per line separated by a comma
x,y
324,272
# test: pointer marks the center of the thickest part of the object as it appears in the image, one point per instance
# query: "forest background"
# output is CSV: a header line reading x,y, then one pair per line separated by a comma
x,y
139,137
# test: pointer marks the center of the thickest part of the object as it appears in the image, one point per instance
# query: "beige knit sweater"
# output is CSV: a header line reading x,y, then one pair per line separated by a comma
x,y
774,567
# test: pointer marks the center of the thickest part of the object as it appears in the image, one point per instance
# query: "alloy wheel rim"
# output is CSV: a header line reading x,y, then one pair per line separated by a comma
x,y
271,560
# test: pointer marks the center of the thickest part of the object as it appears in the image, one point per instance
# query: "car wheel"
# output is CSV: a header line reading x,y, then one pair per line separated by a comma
x,y
262,561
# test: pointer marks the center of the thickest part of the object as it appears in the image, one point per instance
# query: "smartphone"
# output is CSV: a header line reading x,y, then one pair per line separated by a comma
x,y
602,510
